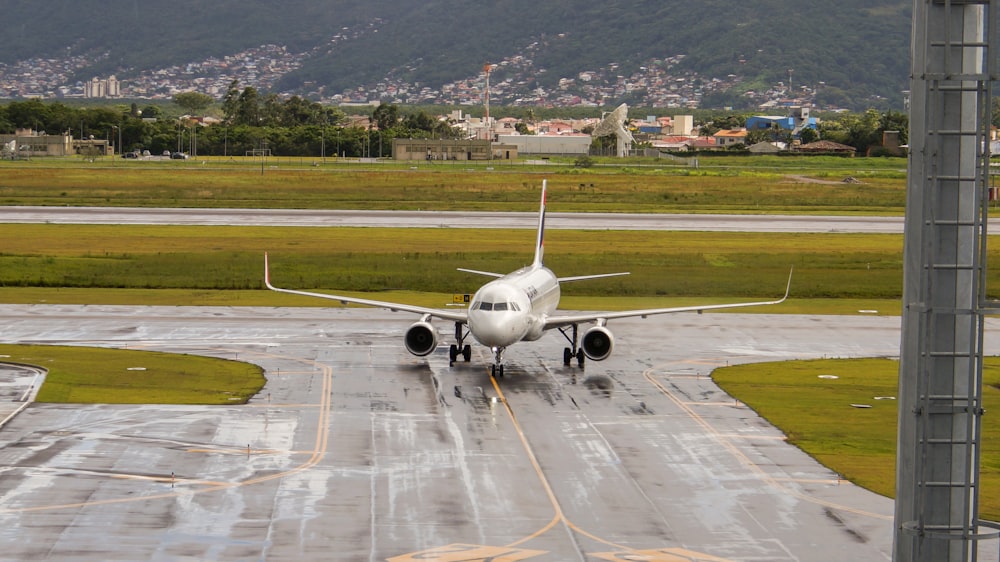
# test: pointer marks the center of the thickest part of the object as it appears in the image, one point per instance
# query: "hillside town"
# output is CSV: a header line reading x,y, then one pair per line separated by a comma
x,y
658,83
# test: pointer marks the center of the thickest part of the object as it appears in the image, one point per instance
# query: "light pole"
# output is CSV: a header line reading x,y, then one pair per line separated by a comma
x,y
263,152
119,129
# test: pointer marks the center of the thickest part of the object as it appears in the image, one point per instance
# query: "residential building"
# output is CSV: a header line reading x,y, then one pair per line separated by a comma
x,y
683,125
828,147
97,88
730,137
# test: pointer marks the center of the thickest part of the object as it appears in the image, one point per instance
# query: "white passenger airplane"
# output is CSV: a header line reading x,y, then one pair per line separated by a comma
x,y
515,307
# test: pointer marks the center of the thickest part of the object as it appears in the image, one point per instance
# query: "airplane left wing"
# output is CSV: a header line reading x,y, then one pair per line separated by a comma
x,y
568,320
454,316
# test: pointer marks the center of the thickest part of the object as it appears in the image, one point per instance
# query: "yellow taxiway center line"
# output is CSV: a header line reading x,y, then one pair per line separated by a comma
x,y
559,515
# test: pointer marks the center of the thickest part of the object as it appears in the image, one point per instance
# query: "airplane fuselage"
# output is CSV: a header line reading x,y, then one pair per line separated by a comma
x,y
514,307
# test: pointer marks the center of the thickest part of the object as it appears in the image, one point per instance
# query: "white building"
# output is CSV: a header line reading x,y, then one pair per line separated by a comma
x,y
555,144
97,88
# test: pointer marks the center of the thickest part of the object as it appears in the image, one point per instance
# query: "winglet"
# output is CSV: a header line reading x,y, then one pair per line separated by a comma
x,y
267,274
788,288
540,241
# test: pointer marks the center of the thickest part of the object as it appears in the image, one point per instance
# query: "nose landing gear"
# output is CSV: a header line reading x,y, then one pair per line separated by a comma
x,y
497,370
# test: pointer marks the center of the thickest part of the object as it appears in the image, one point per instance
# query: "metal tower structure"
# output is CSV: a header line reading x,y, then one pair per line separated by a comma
x,y
487,68
944,294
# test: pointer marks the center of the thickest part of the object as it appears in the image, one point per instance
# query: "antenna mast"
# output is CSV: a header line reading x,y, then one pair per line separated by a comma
x,y
486,98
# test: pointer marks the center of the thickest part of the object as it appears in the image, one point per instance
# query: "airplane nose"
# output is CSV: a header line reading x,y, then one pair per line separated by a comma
x,y
495,330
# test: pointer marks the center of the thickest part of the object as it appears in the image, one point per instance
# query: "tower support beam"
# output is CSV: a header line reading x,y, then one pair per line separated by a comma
x,y
944,298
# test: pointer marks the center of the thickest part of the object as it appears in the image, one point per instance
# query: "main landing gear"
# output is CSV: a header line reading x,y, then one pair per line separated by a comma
x,y
462,348
576,351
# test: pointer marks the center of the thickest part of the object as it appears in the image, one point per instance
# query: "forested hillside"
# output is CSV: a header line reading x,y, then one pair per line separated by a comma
x,y
855,52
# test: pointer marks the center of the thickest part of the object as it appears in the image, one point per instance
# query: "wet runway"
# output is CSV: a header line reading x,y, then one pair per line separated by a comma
x,y
355,450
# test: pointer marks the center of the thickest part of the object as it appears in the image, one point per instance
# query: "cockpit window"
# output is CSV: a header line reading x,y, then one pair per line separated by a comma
x,y
496,306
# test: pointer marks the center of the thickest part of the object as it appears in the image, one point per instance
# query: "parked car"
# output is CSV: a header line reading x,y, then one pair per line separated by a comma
x,y
130,155
178,156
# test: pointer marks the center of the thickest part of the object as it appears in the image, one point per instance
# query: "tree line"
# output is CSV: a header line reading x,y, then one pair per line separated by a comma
x,y
250,121
859,130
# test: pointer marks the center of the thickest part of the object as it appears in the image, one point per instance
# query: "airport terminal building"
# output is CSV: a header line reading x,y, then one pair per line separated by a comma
x,y
27,143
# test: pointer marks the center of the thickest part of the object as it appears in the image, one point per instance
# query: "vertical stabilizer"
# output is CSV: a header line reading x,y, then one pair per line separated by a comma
x,y
540,242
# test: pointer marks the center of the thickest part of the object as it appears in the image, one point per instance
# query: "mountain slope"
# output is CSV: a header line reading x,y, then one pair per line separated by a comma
x,y
858,47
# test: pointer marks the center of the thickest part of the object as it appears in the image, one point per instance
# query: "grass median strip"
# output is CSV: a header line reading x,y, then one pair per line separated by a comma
x,y
720,184
663,264
86,375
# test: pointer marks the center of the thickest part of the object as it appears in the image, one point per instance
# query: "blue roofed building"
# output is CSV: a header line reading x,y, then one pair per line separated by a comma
x,y
795,123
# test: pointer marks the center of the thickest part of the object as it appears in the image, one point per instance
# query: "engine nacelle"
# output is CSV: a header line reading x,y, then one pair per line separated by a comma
x,y
421,339
598,343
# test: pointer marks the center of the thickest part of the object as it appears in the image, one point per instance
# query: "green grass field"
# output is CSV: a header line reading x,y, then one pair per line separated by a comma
x,y
719,184
858,443
663,264
110,376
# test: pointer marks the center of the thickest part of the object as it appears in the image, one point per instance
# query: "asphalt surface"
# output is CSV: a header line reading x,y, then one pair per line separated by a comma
x,y
355,450
438,219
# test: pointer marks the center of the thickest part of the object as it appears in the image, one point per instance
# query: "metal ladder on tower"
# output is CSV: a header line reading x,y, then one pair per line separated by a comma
x,y
949,412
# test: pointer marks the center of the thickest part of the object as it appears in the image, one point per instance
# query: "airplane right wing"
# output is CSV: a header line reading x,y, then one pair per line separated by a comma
x,y
454,316
569,320
478,272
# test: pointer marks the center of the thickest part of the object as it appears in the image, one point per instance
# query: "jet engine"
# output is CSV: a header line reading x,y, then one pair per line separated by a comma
x,y
421,338
598,343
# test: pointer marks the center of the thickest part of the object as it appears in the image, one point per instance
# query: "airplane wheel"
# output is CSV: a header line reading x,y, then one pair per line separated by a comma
x,y
493,371
501,371
567,356
580,357
453,353
467,353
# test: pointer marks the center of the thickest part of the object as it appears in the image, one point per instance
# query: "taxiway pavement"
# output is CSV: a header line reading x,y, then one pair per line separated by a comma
x,y
355,450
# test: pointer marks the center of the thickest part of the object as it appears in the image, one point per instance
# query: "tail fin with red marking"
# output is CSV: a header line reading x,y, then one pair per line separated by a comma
x,y
540,241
